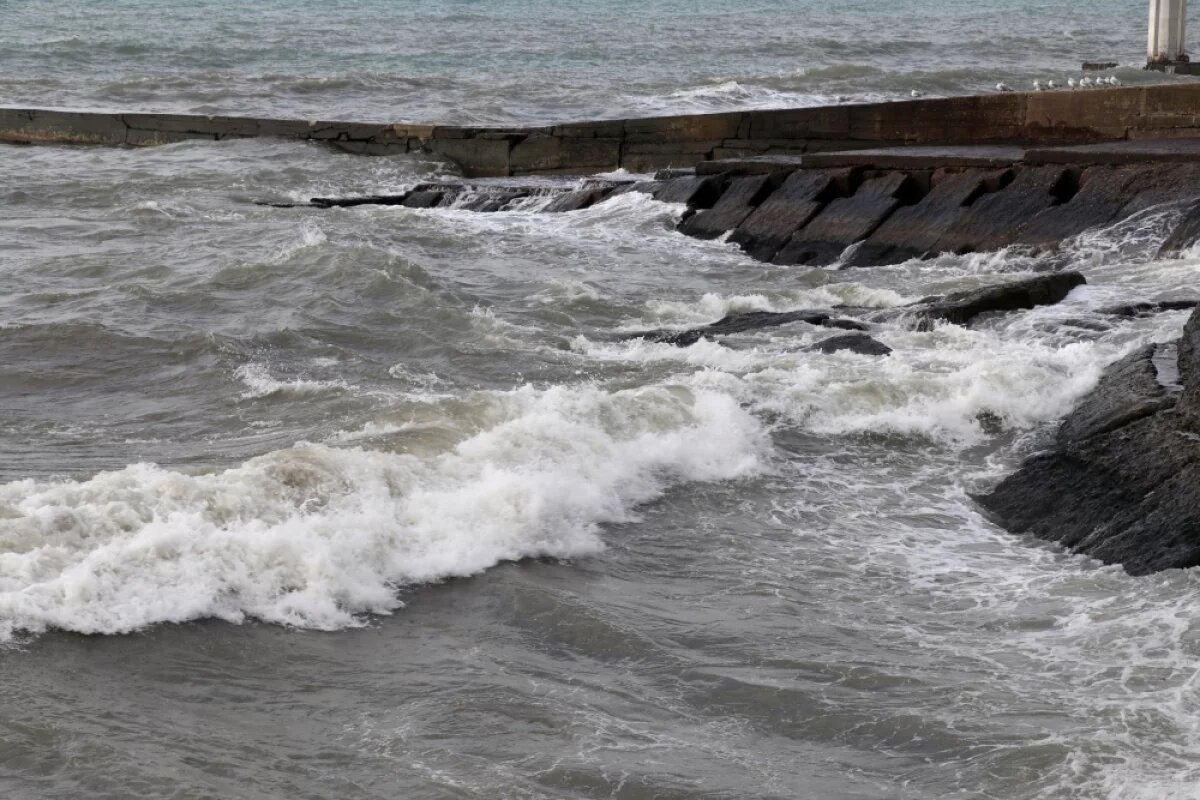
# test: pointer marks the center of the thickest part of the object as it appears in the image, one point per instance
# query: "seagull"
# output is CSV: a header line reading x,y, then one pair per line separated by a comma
x,y
915,93
1113,81
1071,83
1003,87
1037,86
1053,84
1085,83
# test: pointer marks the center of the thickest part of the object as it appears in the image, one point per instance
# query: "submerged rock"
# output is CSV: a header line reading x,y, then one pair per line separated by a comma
x,y
962,307
1122,481
748,321
853,342
1150,307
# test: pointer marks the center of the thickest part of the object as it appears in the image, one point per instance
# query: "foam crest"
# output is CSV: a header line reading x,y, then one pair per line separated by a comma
x,y
316,536
712,306
259,383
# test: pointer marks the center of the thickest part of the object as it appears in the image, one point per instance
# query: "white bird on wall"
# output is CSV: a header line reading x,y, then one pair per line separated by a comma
x,y
1071,84
1053,84
1003,87
1037,86
915,93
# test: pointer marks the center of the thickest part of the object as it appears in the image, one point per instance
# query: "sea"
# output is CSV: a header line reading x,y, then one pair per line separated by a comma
x,y
379,503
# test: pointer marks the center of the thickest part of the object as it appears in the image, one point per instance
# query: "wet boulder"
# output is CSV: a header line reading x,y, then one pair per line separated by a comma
x,y
350,202
960,308
859,343
1186,233
1147,307
1122,480
748,321
577,200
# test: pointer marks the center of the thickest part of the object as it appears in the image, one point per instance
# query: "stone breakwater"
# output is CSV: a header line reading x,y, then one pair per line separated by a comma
x,y
1120,480
866,208
647,144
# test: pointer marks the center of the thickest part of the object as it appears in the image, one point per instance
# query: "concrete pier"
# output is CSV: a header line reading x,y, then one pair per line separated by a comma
x,y
1166,111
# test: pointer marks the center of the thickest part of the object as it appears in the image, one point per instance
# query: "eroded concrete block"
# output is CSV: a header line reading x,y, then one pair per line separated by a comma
x,y
769,226
914,231
739,200
847,220
994,221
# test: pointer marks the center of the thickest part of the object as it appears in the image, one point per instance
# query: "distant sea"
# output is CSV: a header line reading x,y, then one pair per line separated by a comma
x,y
475,61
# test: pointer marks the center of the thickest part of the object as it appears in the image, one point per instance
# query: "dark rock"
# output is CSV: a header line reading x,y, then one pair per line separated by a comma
x,y
423,199
491,201
748,321
914,231
784,212
846,220
1129,391
674,172
1149,307
694,192
371,200
962,307
738,201
995,220
577,200
1186,233
854,342
1123,481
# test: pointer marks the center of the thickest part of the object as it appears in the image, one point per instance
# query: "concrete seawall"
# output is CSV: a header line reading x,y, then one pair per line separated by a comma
x,y
1052,118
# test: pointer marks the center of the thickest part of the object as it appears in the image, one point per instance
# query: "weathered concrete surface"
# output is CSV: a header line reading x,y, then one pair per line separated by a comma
x,y
1046,118
919,157
847,220
1122,481
1132,152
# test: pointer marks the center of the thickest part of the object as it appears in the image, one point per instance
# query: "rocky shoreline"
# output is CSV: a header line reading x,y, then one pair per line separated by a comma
x,y
1121,481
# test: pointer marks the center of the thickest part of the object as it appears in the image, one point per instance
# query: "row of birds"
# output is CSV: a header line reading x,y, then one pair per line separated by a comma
x,y
1051,85
1082,83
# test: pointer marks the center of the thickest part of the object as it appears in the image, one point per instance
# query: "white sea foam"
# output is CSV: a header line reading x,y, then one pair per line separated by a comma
x,y
315,536
259,383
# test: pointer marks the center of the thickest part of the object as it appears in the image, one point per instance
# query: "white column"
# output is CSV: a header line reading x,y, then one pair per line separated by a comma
x,y
1168,19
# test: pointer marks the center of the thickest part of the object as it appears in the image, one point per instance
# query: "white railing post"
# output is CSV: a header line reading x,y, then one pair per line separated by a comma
x,y
1165,44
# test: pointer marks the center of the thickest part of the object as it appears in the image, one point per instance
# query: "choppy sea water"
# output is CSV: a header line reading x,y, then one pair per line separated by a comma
x,y
506,61
472,543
